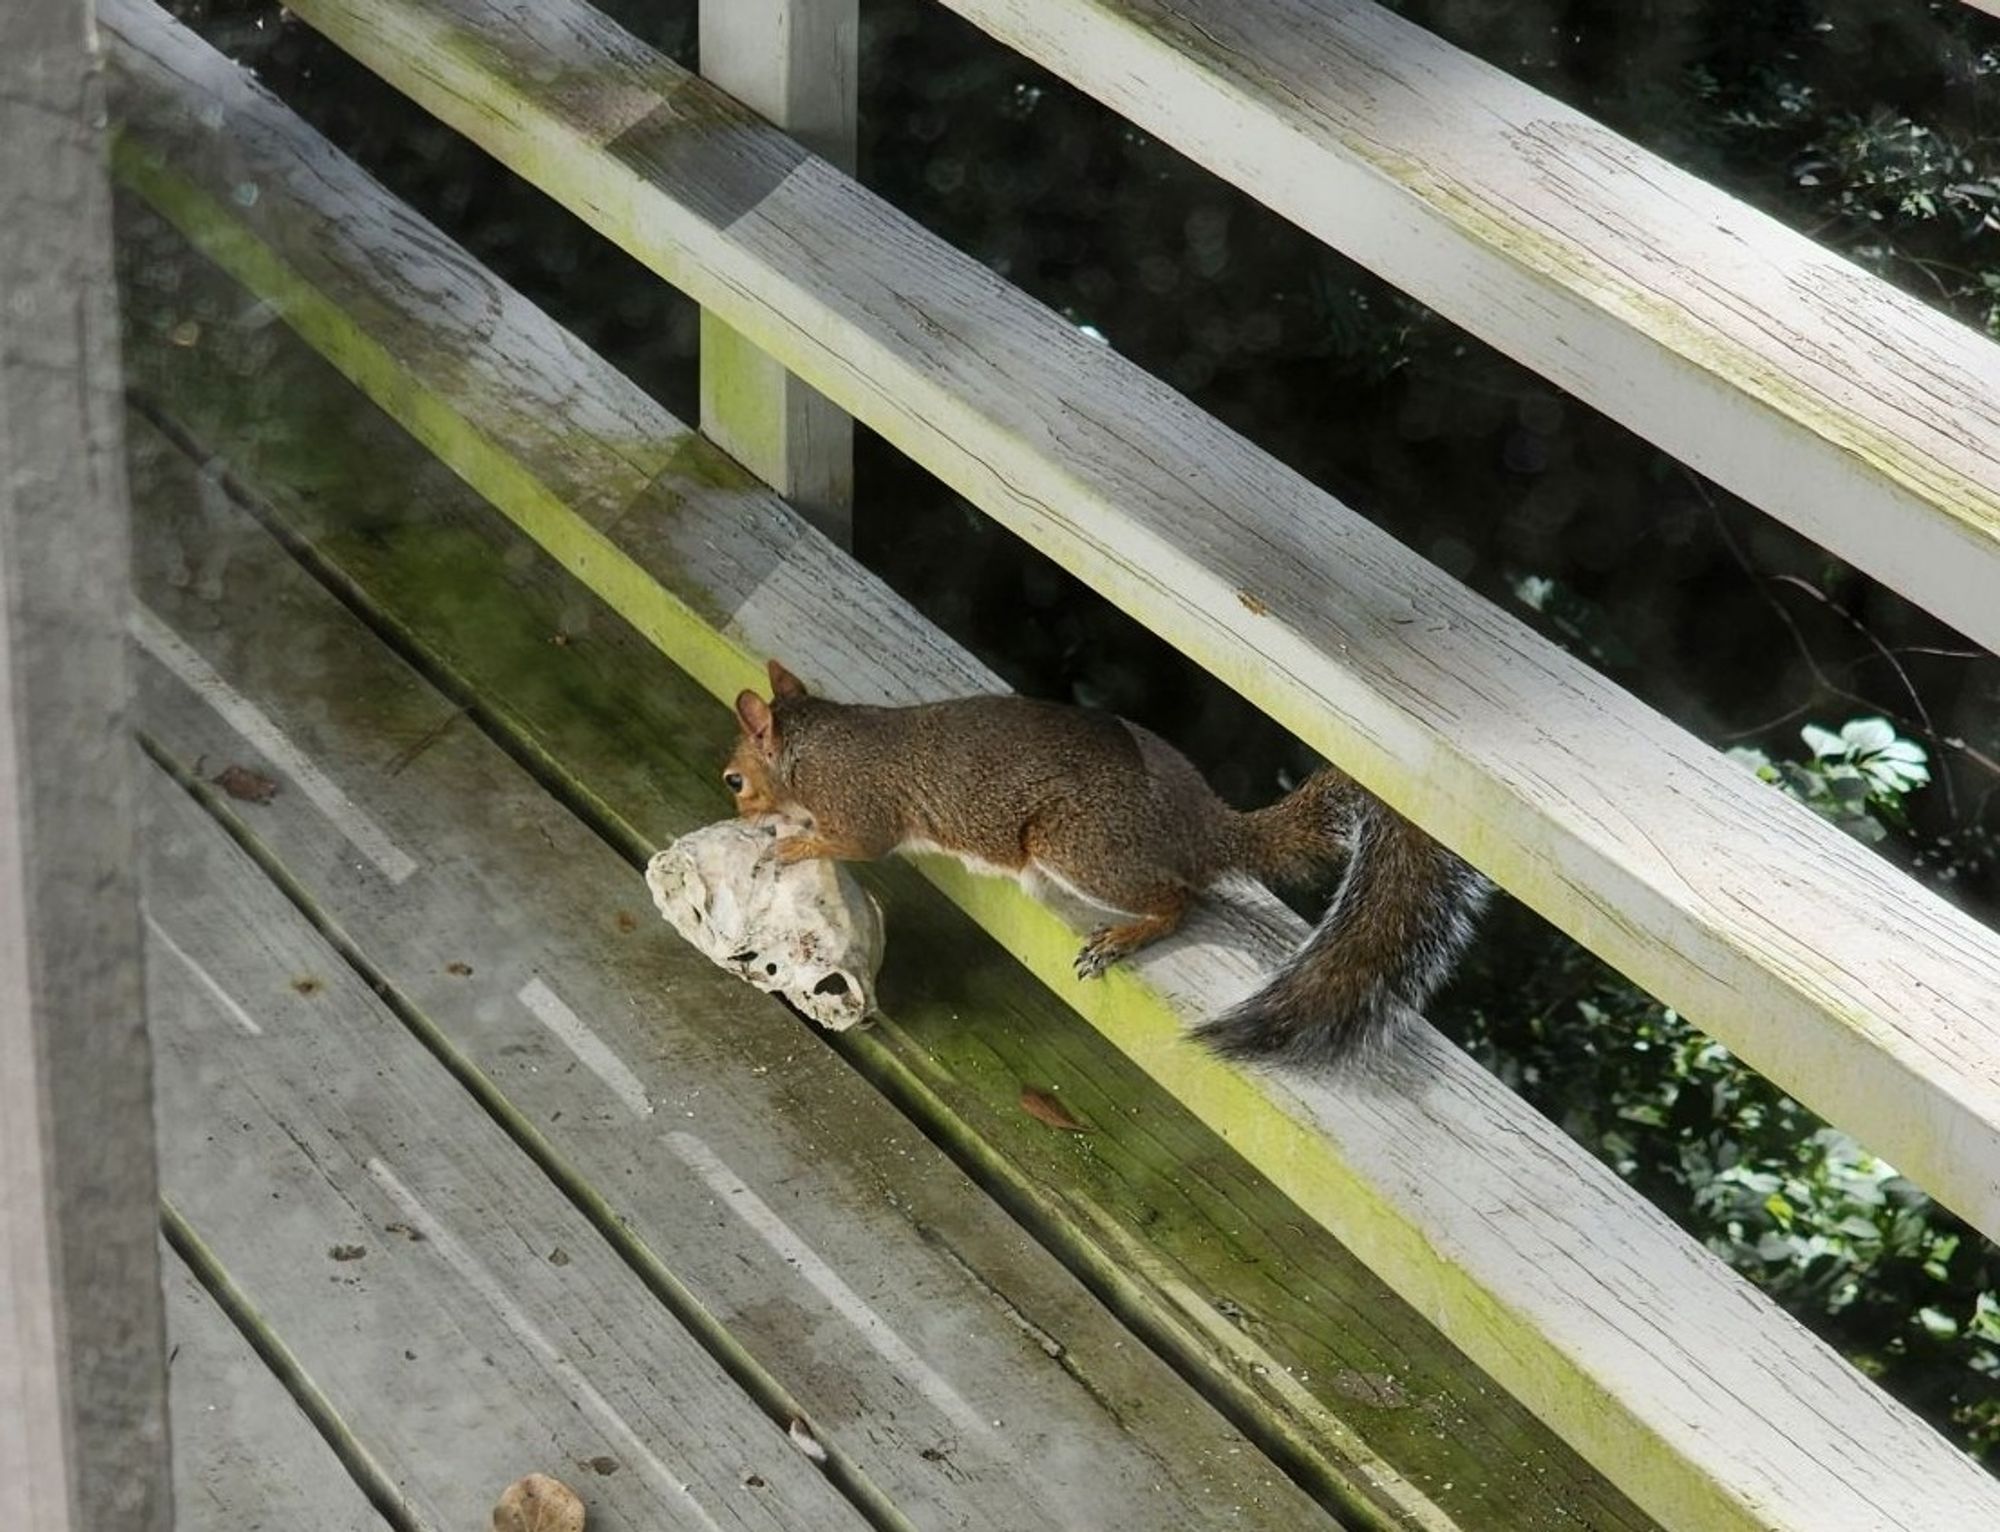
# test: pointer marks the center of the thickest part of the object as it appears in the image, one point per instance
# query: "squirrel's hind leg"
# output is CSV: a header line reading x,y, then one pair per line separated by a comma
x,y
1161,913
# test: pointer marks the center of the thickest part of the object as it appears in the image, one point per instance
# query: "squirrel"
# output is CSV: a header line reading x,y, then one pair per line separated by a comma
x,y
1077,802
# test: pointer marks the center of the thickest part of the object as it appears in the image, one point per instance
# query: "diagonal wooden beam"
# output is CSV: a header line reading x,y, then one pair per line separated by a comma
x,y
83,1444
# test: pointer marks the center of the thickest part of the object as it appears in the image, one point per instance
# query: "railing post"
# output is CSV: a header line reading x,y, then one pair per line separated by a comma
x,y
83,1444
794,61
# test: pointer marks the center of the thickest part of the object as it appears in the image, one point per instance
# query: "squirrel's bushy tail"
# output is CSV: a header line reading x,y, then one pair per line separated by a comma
x,y
1402,913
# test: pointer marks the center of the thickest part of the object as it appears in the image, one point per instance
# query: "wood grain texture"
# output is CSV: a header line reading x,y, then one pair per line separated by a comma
x,y
1689,1390
795,62
1846,408
82,1377
245,1458
401,1245
907,1316
1762,923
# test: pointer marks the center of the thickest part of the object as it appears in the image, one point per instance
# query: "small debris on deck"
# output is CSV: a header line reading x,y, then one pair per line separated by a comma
x,y
538,1503
803,1439
245,785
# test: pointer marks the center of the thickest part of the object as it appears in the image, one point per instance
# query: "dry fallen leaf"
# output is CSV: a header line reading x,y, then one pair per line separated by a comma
x,y
538,1503
245,785
1044,1108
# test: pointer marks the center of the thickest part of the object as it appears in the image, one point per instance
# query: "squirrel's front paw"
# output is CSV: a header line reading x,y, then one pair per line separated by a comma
x,y
791,848
1099,953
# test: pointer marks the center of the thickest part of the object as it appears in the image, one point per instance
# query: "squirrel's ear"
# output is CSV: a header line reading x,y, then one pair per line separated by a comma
x,y
783,682
754,713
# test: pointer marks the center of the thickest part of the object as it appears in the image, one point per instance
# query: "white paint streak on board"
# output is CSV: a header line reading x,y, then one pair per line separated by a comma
x,y
802,1258
592,1403
591,1050
249,720
207,980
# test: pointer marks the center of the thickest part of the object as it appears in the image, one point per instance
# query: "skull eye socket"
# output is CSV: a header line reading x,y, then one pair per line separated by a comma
x,y
733,780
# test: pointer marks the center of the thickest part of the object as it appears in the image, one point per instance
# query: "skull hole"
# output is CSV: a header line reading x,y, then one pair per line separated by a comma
x,y
832,984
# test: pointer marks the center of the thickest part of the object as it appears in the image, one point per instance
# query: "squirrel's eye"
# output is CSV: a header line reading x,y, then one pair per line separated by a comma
x,y
733,780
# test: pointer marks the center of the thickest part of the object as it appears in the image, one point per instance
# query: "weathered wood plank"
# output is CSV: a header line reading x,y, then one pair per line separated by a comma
x,y
404,1248
1639,840
795,62
83,1443
1530,1255
245,1458
1846,408
909,1318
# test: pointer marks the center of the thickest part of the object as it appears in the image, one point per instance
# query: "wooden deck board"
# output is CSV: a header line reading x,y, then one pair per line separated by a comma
x,y
1156,1207
1532,1257
403,1248
909,1317
246,1459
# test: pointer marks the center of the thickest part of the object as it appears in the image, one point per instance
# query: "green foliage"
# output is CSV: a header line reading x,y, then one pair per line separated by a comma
x,y
1904,178
1856,778
1907,1292
1580,626
1886,169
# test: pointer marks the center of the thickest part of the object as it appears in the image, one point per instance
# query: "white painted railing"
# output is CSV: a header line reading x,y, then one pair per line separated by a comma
x,y
1839,404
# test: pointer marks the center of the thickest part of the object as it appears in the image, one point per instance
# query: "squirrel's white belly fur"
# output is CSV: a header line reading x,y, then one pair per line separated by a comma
x,y
1039,879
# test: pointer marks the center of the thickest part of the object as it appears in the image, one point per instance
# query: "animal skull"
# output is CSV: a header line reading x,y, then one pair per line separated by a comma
x,y
806,930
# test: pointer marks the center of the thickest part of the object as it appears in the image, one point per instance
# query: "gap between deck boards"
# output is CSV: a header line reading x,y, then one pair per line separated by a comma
x,y
368,1475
